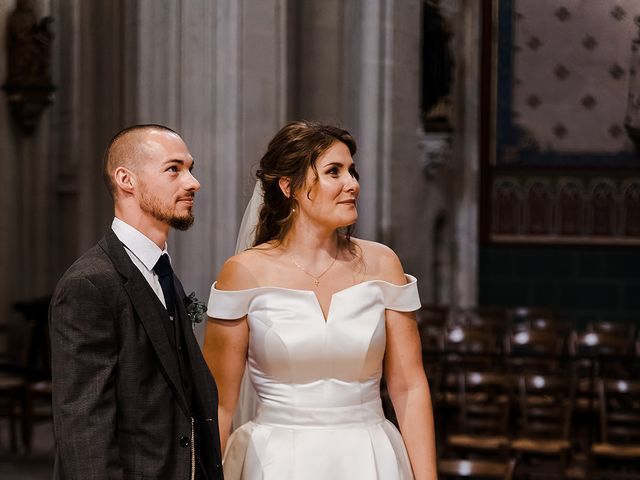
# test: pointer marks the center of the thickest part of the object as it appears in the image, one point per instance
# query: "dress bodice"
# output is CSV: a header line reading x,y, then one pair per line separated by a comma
x,y
318,383
298,358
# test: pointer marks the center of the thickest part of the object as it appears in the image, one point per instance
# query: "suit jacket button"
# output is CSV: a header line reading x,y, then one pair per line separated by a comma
x,y
184,441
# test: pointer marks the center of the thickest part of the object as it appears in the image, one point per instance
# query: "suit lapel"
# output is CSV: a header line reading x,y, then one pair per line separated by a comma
x,y
147,307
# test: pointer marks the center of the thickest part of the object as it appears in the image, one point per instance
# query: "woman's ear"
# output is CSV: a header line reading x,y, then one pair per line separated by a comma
x,y
124,179
285,183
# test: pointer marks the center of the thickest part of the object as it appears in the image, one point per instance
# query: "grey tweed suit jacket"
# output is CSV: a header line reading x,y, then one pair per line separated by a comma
x,y
120,410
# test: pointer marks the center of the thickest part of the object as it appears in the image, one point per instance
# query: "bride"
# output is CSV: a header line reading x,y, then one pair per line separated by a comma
x,y
317,317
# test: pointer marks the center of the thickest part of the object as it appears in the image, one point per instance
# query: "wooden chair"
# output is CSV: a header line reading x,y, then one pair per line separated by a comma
x,y
518,313
542,441
472,341
484,411
626,330
599,355
596,355
38,408
466,349
433,315
601,344
490,310
548,324
476,469
470,348
14,378
37,405
617,453
535,350
463,350
494,323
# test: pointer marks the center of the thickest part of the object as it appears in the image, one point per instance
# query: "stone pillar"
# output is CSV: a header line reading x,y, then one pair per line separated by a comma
x,y
217,73
316,69
466,162
176,87
8,184
364,77
381,45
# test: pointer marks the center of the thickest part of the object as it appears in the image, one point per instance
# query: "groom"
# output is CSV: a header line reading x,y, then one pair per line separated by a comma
x,y
132,395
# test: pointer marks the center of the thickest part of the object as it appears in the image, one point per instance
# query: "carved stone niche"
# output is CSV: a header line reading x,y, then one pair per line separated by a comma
x,y
436,135
28,86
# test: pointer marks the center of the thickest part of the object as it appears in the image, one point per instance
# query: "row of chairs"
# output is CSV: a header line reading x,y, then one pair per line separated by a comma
x,y
543,343
521,393
499,317
25,392
529,419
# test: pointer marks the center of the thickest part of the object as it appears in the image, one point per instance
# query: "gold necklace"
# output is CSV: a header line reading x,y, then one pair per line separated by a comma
x,y
316,279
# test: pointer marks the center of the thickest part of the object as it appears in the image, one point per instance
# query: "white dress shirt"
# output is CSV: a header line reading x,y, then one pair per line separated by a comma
x,y
144,253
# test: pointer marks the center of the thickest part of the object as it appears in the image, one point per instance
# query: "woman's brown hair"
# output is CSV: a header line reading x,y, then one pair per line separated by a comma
x,y
291,152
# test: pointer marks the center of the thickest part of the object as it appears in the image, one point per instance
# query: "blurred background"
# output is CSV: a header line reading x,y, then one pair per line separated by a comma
x,y
498,147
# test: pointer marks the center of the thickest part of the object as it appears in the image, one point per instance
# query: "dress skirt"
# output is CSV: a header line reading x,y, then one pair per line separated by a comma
x,y
345,443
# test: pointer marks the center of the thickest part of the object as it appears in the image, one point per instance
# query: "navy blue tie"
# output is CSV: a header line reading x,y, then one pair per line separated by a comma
x,y
165,275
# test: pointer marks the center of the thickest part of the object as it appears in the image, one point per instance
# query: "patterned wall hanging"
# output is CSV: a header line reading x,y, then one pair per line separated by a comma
x,y
562,165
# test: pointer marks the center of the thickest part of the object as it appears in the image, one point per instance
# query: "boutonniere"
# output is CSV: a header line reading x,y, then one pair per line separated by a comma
x,y
195,308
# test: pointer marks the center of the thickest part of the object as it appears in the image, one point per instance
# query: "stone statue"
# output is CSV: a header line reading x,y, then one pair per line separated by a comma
x,y
29,44
437,65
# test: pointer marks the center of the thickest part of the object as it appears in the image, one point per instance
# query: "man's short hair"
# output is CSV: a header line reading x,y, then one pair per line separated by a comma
x,y
112,158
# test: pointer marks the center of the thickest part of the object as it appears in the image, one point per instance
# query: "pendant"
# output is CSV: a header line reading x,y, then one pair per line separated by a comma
x,y
317,282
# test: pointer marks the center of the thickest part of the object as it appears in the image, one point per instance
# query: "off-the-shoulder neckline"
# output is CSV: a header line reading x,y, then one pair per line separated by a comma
x,y
325,317
411,280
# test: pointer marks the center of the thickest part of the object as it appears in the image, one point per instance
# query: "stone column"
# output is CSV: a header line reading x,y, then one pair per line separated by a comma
x,y
380,98
217,73
364,61
466,161
8,184
316,42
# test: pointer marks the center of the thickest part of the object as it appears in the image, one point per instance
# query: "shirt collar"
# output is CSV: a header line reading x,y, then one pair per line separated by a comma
x,y
139,244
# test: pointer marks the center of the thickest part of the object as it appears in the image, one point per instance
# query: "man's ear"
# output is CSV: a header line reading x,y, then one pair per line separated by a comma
x,y
285,183
125,179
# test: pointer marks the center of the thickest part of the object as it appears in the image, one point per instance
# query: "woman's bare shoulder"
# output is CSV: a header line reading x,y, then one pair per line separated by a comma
x,y
381,262
242,271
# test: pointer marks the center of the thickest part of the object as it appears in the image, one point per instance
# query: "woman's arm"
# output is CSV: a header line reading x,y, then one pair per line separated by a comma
x,y
225,348
405,376
225,351
409,392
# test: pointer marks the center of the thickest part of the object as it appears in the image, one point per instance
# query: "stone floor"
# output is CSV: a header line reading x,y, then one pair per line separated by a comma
x,y
19,466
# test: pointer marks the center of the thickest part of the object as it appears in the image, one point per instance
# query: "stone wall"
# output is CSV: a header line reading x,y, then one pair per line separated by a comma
x,y
226,75
582,283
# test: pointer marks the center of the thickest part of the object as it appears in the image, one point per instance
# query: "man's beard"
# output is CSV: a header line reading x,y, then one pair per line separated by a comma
x,y
150,204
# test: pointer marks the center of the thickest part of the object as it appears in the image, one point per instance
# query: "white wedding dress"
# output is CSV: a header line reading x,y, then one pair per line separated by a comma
x,y
318,384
